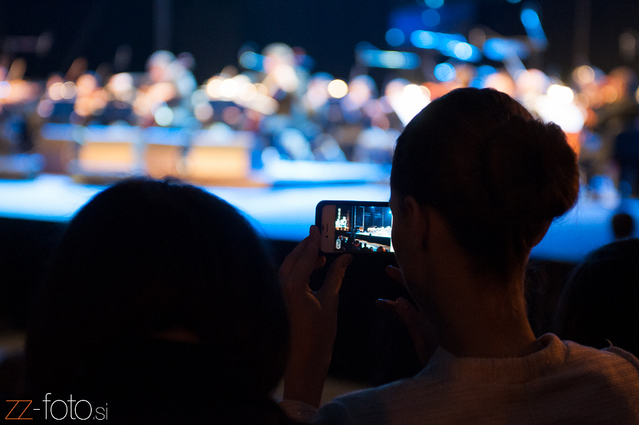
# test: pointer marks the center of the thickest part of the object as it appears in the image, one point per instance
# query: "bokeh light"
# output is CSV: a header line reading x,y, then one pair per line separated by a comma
x,y
337,88
445,72
395,37
431,18
560,94
5,89
435,4
584,74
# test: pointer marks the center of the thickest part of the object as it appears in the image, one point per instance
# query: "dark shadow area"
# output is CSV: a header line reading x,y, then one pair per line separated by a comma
x,y
26,246
371,346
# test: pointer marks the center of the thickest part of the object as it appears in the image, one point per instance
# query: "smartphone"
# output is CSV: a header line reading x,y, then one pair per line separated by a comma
x,y
354,226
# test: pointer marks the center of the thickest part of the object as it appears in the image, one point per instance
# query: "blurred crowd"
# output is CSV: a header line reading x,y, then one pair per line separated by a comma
x,y
295,114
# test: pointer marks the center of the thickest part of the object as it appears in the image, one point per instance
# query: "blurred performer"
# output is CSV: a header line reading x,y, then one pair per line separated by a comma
x,y
616,116
167,88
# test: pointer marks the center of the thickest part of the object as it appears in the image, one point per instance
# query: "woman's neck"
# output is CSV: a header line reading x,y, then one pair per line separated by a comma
x,y
483,317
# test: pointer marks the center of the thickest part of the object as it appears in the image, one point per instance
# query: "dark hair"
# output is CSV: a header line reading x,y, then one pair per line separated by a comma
x,y
144,257
600,303
494,172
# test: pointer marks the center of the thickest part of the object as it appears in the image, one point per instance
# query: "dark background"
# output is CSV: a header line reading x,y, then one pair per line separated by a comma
x,y
214,30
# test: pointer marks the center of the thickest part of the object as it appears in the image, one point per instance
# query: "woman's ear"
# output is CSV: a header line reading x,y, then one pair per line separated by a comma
x,y
418,217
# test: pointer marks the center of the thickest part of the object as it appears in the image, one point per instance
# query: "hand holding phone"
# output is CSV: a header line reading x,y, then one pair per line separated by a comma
x,y
313,318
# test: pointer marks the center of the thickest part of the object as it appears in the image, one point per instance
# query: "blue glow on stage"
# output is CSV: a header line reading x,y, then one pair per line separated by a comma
x,y
280,213
285,213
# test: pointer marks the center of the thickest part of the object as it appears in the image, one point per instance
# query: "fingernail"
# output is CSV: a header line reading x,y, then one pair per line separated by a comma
x,y
348,260
382,303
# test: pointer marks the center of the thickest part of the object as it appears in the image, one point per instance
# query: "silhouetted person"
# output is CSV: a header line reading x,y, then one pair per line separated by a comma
x,y
599,305
475,184
623,225
163,303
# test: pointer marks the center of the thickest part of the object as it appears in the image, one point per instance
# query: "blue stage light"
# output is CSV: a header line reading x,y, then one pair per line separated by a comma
x,y
463,51
424,39
498,49
530,19
395,37
435,4
445,72
388,59
430,18
251,60
485,70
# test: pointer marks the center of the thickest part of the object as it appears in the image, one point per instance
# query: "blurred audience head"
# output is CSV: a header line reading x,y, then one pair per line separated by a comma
x,y
623,225
163,302
599,305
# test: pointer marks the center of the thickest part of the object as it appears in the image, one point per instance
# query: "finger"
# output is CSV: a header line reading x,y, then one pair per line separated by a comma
x,y
305,264
335,276
388,306
292,259
408,314
319,262
396,274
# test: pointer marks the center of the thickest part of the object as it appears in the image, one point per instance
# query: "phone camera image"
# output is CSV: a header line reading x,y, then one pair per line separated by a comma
x,y
355,227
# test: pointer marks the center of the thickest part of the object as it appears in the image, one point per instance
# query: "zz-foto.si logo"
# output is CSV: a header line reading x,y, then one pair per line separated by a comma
x,y
57,410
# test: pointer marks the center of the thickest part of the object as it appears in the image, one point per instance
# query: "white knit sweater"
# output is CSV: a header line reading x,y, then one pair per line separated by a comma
x,y
562,383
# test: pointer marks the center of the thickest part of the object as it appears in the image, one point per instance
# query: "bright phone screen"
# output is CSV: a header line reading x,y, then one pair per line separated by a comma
x,y
349,226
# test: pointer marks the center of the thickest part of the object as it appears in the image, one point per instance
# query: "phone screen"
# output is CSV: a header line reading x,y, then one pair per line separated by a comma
x,y
354,226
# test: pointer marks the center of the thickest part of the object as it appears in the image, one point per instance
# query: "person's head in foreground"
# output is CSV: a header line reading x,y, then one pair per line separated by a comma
x,y
475,184
162,303
599,305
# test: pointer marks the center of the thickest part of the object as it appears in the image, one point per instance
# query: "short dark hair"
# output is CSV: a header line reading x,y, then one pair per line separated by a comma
x,y
144,257
495,173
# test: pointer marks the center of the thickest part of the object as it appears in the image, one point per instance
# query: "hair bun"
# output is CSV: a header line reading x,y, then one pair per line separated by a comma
x,y
531,171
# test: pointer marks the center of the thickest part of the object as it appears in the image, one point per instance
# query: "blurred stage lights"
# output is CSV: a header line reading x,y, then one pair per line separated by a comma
x,y
431,18
251,60
435,4
498,49
229,88
584,75
213,88
337,89
54,91
395,37
163,115
388,59
530,19
560,94
5,89
463,51
424,39
532,23
453,45
445,72
67,90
